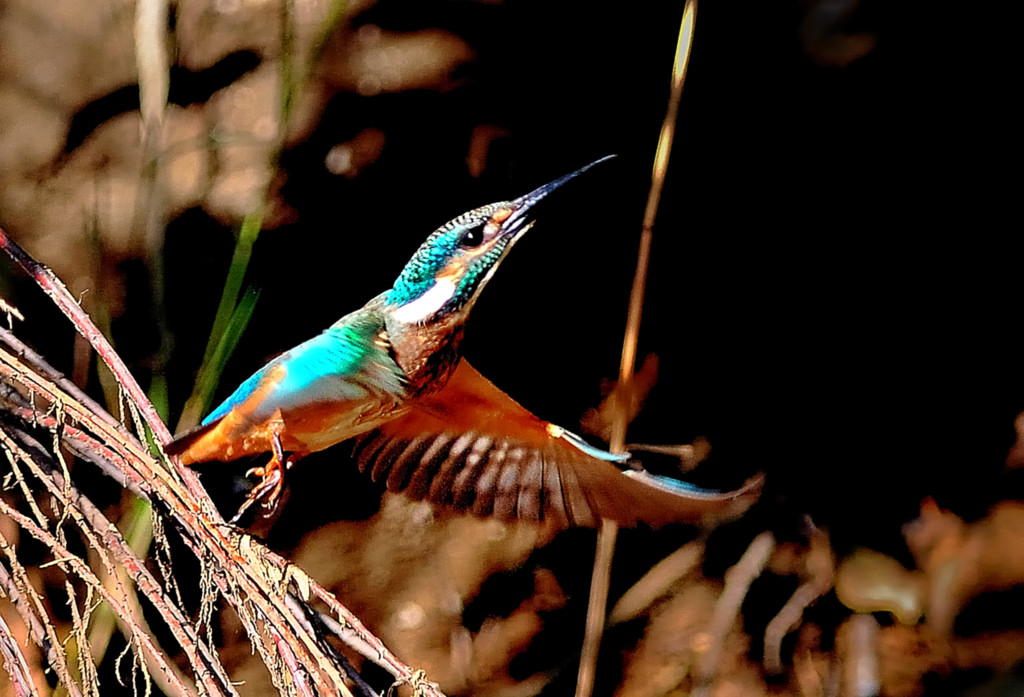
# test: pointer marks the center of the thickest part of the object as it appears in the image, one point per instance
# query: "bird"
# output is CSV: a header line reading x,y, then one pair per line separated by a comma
x,y
390,376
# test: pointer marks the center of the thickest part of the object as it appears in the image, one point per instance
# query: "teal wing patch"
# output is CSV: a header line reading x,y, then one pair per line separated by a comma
x,y
351,360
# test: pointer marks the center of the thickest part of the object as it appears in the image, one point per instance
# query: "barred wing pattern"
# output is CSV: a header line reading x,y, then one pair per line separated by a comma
x,y
472,447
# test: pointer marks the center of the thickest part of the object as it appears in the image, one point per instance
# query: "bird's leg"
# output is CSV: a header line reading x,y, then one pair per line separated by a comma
x,y
269,489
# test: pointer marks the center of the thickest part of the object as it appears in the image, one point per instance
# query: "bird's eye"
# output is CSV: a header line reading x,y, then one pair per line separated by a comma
x,y
472,237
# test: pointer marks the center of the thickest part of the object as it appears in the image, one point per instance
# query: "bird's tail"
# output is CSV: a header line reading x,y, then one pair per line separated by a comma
x,y
188,445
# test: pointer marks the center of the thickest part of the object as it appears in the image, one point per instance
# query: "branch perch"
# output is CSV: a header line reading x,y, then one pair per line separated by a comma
x,y
268,593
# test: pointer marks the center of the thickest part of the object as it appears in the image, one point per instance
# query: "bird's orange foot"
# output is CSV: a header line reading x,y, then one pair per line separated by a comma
x,y
268,491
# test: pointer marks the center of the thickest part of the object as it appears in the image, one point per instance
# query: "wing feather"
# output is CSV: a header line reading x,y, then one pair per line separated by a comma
x,y
473,447
555,504
409,467
443,482
368,449
530,490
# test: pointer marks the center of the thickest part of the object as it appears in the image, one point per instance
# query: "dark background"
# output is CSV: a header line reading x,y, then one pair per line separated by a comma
x,y
832,291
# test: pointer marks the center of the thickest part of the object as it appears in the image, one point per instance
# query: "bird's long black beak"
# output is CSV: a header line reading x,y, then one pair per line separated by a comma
x,y
524,203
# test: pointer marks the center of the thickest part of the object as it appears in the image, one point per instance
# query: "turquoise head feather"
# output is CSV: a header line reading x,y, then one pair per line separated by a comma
x,y
453,265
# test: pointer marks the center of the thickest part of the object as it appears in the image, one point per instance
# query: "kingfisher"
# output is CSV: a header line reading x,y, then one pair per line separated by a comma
x,y
391,377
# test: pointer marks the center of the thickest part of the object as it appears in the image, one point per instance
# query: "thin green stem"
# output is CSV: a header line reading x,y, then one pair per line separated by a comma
x,y
233,314
228,324
335,13
289,85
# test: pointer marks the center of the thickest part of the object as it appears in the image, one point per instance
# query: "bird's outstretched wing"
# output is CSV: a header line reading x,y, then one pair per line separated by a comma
x,y
472,447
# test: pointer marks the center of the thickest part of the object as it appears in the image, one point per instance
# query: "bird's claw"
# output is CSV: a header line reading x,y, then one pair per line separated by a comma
x,y
268,491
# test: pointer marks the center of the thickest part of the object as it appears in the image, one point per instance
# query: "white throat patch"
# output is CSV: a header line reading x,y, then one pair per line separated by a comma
x,y
420,309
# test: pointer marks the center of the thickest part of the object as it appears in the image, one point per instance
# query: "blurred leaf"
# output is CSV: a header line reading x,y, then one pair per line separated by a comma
x,y
627,399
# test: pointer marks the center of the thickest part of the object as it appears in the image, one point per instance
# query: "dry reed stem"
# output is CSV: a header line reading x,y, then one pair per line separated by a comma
x,y
32,610
39,364
58,293
69,563
607,533
91,450
15,663
198,517
254,580
108,542
155,483
153,65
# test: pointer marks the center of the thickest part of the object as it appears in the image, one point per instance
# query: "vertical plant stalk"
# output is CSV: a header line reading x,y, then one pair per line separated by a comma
x,y
230,321
232,313
153,65
289,85
598,604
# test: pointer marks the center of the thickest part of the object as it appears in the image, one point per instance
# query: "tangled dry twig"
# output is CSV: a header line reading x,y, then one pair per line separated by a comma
x,y
271,597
